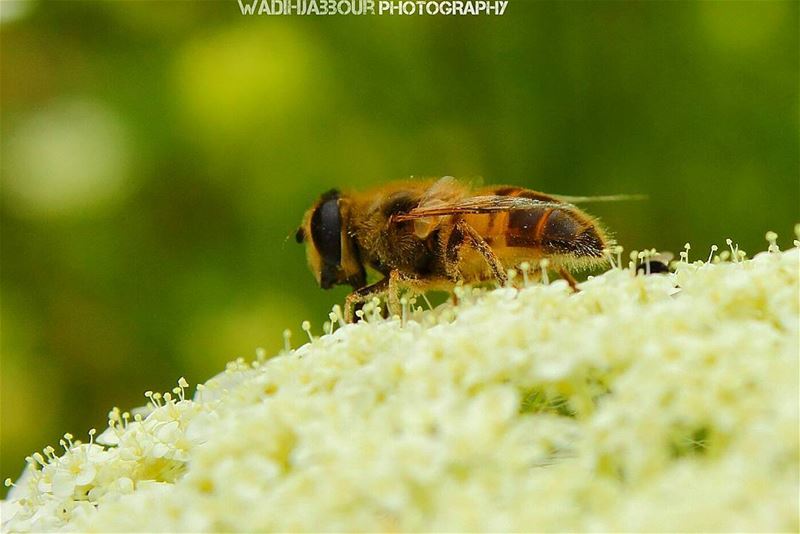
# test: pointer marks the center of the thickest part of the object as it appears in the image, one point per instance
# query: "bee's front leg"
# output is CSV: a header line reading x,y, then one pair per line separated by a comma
x,y
358,297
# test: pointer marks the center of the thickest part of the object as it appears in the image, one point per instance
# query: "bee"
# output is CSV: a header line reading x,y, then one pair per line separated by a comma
x,y
434,234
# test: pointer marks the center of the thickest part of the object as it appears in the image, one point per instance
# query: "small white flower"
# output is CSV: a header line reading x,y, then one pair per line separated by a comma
x,y
665,402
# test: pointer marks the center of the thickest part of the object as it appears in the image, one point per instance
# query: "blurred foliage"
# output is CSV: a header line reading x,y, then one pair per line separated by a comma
x,y
156,155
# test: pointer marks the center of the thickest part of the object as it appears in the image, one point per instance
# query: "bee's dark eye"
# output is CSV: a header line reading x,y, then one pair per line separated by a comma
x,y
326,228
300,235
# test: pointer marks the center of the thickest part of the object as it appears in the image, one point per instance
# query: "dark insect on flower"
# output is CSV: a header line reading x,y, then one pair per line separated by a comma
x,y
658,263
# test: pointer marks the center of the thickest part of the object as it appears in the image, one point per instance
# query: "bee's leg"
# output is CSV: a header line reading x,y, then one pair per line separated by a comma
x,y
413,285
398,282
566,275
464,234
360,296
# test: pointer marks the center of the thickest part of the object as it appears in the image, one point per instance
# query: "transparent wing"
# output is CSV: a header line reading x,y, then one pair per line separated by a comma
x,y
479,204
601,198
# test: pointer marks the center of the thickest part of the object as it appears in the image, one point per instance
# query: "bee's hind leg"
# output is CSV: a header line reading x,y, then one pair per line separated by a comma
x,y
566,275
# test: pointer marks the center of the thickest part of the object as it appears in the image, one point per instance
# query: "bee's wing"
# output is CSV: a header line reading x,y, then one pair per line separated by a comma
x,y
479,204
601,198
443,190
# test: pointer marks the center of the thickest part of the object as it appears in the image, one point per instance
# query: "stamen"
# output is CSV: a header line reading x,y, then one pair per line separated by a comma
x,y
458,293
525,267
403,310
333,318
646,256
339,315
428,302
734,254
610,257
287,336
367,309
714,248
632,264
772,237
511,273
543,264
306,326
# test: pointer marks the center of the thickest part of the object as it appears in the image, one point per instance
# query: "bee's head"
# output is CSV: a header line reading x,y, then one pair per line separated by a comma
x,y
331,252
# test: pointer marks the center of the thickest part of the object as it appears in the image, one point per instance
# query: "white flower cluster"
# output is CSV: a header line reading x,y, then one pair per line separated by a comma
x,y
641,403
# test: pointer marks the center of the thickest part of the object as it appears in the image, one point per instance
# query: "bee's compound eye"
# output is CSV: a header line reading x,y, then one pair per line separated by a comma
x,y
300,235
326,228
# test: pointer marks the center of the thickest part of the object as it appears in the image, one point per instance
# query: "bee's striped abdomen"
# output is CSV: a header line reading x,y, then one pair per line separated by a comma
x,y
494,227
570,232
554,231
543,230
525,227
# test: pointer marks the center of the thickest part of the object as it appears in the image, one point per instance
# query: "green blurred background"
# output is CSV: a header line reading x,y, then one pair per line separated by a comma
x,y
156,155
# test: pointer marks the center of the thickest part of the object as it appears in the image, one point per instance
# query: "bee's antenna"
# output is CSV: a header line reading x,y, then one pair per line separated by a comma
x,y
299,236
